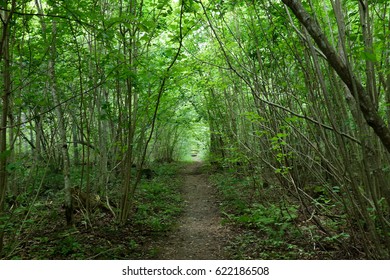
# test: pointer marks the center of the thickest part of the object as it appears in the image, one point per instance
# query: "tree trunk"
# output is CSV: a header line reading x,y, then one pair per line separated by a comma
x,y
62,132
60,116
6,92
129,52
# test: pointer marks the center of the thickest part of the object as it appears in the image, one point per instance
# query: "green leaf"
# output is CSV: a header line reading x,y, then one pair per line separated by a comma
x,y
370,56
5,154
18,101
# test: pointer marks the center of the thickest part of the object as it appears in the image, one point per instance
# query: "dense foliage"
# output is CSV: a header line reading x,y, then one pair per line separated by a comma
x,y
289,97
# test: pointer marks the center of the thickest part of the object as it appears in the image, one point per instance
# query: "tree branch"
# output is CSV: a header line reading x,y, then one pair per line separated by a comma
x,y
76,19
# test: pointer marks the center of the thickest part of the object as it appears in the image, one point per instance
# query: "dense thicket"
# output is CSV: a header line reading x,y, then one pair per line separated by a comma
x,y
303,105
291,95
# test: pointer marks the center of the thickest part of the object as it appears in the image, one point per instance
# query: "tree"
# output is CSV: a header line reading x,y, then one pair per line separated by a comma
x,y
6,19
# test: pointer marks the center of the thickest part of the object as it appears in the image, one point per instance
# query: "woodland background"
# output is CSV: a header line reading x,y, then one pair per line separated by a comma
x,y
287,101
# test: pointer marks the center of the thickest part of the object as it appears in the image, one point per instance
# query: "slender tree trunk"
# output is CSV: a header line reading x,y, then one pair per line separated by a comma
x,y
38,139
103,141
60,116
129,52
76,155
6,92
62,132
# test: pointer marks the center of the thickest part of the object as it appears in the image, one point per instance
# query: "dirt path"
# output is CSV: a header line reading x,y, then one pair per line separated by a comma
x,y
199,234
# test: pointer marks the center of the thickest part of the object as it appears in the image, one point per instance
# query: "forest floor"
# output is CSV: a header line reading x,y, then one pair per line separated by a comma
x,y
188,211
176,216
199,234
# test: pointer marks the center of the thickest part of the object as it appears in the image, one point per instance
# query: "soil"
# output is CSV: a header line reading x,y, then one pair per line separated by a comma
x,y
199,234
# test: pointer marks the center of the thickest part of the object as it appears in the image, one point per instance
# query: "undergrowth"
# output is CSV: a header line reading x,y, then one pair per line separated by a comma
x,y
35,225
266,224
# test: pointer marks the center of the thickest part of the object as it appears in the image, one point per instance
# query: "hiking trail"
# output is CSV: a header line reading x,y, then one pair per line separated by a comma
x,y
199,234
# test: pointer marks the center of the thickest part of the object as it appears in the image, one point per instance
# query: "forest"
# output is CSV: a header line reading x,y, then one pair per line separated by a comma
x,y
109,108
